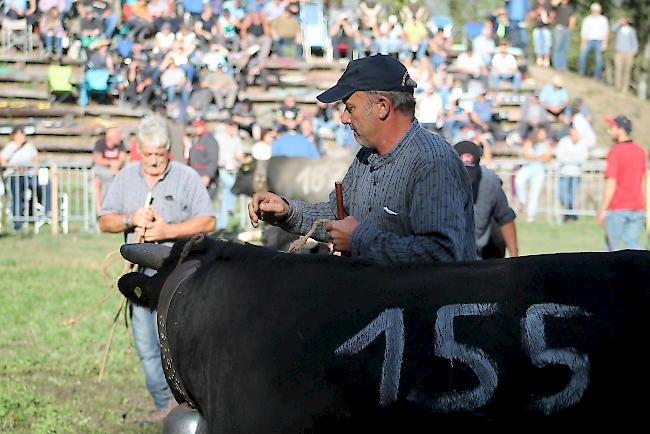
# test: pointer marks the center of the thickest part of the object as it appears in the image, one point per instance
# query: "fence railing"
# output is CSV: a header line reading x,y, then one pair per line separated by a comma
x,y
63,195
587,198
59,195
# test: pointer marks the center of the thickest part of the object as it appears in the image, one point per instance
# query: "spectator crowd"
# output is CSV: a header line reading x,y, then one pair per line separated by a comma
x,y
190,58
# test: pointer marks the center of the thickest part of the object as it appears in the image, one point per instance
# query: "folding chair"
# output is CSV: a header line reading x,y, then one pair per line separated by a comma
x,y
95,82
17,34
314,29
472,30
443,22
59,81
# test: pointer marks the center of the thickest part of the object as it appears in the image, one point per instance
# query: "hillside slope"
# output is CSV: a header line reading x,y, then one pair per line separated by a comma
x,y
603,100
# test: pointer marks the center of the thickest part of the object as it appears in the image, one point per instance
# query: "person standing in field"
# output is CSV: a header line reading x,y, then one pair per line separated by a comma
x,y
622,211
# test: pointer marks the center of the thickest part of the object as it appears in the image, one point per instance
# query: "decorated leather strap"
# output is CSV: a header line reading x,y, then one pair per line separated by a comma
x,y
167,293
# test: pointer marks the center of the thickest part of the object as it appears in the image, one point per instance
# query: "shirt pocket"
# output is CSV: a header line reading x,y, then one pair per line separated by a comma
x,y
172,206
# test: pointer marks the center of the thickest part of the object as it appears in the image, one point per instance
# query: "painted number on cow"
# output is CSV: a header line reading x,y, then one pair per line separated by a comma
x,y
390,322
447,347
314,179
533,337
475,358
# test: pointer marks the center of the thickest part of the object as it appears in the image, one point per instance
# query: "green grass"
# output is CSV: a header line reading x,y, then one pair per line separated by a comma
x,y
49,371
537,238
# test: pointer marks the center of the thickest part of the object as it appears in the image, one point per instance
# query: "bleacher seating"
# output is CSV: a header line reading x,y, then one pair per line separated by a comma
x,y
38,80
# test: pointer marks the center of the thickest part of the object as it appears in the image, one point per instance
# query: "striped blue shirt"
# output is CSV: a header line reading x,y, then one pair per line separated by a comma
x,y
414,204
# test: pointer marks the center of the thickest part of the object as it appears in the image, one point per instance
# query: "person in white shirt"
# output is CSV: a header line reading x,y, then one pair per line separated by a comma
x,y
585,130
231,151
174,81
593,37
504,67
529,180
164,39
262,149
571,153
390,36
470,65
18,156
484,46
429,109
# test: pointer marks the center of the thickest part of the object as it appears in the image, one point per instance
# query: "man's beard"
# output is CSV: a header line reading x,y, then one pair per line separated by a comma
x,y
362,142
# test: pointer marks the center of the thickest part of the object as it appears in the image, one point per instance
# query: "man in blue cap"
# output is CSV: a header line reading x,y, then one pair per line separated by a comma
x,y
406,195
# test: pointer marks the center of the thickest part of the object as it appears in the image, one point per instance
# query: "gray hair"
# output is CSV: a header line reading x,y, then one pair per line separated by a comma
x,y
402,101
154,131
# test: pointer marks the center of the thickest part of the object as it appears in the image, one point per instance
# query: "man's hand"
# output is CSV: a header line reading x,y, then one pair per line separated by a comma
x,y
157,230
142,218
340,232
115,166
267,206
600,218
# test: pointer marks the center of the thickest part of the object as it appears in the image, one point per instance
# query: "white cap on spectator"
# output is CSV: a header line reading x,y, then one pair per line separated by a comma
x,y
595,7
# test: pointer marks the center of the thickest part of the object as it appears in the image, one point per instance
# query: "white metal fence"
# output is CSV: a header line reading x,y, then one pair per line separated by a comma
x,y
63,195
59,195
588,195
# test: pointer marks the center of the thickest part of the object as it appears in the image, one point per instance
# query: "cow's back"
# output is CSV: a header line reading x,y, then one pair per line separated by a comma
x,y
277,343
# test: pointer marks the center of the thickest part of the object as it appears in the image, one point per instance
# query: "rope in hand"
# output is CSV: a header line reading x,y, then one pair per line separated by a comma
x,y
111,283
108,281
340,215
300,242
122,305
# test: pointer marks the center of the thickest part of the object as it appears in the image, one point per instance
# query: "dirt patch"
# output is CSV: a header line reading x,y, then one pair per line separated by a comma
x,y
117,406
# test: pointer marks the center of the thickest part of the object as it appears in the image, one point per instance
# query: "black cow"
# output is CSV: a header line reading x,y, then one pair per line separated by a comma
x,y
261,341
299,178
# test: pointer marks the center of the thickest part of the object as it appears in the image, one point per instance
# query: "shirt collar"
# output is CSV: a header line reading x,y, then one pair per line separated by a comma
x,y
163,176
376,160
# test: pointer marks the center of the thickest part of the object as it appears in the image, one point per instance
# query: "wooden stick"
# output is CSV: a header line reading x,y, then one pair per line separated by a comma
x,y
340,212
110,340
147,204
82,315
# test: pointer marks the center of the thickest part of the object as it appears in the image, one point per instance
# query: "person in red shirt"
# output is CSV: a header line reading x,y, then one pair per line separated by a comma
x,y
622,212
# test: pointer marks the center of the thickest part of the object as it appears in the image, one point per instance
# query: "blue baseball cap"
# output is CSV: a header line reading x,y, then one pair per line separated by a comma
x,y
379,72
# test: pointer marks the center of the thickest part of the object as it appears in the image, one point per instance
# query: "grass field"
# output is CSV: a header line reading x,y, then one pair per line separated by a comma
x,y
49,371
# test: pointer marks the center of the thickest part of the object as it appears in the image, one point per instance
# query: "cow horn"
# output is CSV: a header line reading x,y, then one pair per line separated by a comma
x,y
145,254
